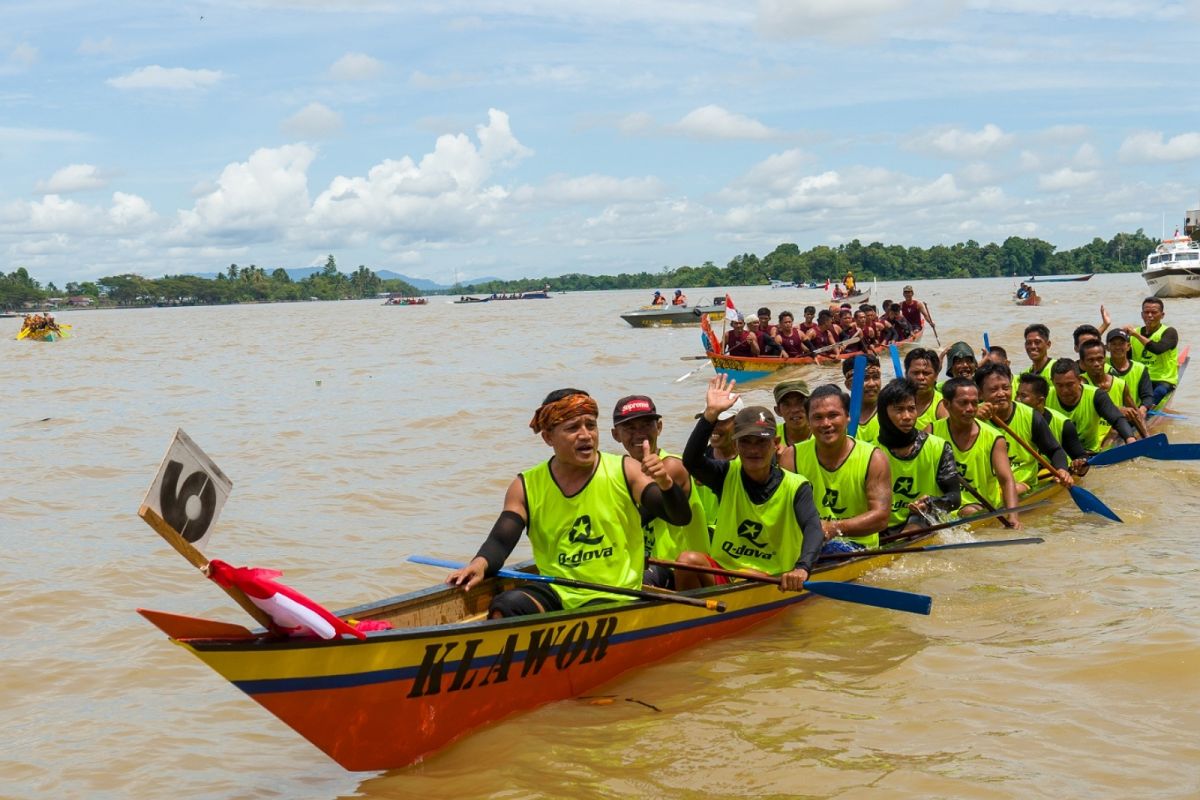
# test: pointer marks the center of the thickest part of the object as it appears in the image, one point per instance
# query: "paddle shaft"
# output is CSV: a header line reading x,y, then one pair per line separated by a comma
x,y
932,547
641,594
1033,451
971,490
954,523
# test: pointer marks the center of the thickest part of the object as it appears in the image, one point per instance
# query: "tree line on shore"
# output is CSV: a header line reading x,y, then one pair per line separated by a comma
x,y
1016,257
250,284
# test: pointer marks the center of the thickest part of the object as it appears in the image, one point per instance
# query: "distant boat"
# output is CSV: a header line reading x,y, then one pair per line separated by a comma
x,y
1173,269
655,316
406,301
469,299
1059,278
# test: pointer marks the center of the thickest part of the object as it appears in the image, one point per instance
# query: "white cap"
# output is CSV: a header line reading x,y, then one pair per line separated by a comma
x,y
732,411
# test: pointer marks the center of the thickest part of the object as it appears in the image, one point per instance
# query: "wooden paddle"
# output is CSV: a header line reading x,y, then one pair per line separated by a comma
x,y
971,490
932,547
1083,498
836,590
641,594
954,523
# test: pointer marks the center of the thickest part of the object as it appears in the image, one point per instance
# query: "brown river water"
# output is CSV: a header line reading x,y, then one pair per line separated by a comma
x,y
358,434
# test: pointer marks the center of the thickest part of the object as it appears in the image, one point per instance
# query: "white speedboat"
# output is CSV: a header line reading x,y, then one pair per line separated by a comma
x,y
1173,269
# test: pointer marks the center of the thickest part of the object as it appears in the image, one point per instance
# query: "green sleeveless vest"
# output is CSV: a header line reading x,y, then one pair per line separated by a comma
x,y
764,537
1044,372
929,415
914,477
667,541
594,536
1132,376
1116,393
1087,421
840,494
869,431
1164,367
975,464
1024,465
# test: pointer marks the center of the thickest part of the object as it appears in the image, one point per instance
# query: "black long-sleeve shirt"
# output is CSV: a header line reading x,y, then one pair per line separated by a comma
x,y
1048,445
1169,341
712,472
1071,443
1143,393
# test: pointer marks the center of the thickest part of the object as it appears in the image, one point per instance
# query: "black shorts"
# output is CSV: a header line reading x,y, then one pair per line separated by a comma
x,y
525,600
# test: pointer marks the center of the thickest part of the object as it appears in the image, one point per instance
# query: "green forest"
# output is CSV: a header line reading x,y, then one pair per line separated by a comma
x,y
1016,257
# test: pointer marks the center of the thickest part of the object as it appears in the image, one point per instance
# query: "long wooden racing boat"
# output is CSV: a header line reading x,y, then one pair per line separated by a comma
x,y
45,334
387,700
744,369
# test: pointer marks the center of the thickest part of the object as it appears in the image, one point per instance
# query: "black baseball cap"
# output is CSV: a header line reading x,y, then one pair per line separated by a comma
x,y
633,407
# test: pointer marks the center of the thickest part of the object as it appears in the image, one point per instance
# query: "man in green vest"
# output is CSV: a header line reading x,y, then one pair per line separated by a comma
x,y
636,423
791,403
921,466
1156,346
1037,347
995,393
851,482
766,519
1134,373
868,420
1085,406
980,451
921,367
583,509
960,361
1032,390
1093,367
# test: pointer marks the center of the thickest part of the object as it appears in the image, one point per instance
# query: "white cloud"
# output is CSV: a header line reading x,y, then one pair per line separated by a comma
x,y
314,121
962,144
257,198
444,196
1066,179
356,67
1095,9
156,77
1087,156
591,189
714,122
52,214
130,211
636,124
1149,146
73,178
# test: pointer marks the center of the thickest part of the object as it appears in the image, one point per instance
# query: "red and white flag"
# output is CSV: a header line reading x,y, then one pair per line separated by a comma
x,y
292,612
731,313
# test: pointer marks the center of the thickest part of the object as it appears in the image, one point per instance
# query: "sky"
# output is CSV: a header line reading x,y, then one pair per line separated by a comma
x,y
452,140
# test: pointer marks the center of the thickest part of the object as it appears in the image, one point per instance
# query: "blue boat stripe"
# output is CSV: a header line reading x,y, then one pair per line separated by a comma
x,y
344,681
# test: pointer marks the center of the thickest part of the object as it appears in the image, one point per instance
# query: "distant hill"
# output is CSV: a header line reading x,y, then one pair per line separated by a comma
x,y
425,285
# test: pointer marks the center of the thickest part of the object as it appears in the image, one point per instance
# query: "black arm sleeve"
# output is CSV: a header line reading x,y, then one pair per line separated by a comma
x,y
947,481
1112,415
500,542
810,522
1145,390
709,471
671,505
1169,341
1070,441
1047,445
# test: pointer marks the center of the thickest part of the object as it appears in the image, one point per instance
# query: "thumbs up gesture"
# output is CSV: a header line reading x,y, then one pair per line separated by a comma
x,y
653,467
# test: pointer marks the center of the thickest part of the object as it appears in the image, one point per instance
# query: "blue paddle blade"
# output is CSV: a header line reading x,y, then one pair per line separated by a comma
x,y
1154,412
872,596
896,368
856,391
431,561
987,345
1090,503
1142,447
1176,452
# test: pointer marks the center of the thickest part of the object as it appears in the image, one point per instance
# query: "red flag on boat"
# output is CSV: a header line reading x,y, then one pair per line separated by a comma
x,y
731,312
292,612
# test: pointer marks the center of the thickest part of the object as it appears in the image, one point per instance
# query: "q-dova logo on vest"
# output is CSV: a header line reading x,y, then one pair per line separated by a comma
x,y
580,532
904,486
830,501
962,469
750,531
